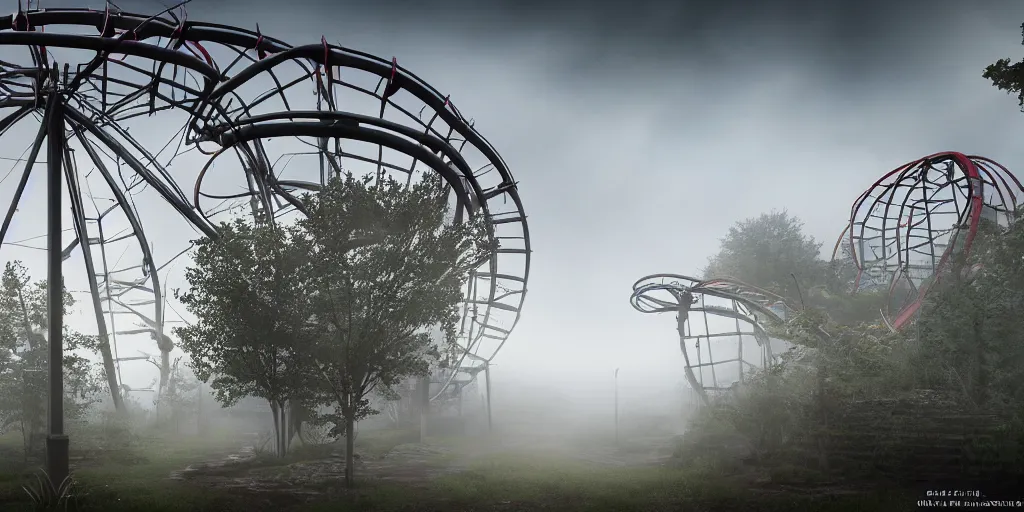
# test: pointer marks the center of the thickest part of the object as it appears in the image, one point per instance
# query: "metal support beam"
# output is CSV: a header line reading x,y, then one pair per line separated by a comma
x,y
487,381
57,442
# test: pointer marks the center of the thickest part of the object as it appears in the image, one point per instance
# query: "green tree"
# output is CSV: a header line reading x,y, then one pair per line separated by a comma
x,y
767,252
1008,77
180,400
772,252
24,359
249,292
837,296
386,268
971,322
992,298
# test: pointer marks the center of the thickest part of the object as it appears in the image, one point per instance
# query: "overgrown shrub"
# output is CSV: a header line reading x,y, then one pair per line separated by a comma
x,y
755,421
316,434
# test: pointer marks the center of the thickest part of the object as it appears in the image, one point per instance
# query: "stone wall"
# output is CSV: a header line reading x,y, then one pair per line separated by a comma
x,y
921,437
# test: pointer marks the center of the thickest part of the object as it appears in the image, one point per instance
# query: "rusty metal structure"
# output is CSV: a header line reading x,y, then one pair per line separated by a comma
x,y
129,109
913,222
721,325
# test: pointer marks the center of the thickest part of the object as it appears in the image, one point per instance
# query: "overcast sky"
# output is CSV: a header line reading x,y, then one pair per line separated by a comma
x,y
640,131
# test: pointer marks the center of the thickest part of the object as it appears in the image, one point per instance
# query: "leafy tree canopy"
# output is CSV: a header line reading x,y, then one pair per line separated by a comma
x,y
1007,76
347,296
971,323
767,251
24,358
386,267
251,304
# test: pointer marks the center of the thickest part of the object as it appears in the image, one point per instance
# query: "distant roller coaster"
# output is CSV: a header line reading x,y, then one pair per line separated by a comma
x,y
904,231
911,224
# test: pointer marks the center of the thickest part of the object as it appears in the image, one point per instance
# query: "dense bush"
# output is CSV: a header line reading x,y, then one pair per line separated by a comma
x,y
949,382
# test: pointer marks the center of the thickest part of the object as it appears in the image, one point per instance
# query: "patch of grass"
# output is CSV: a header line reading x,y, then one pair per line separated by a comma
x,y
496,482
109,478
531,482
377,443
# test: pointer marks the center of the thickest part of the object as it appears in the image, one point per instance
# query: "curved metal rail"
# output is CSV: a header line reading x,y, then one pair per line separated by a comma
x,y
268,105
711,312
908,227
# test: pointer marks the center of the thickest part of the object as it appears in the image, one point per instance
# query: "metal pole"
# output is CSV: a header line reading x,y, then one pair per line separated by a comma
x,y
487,379
461,390
56,442
616,406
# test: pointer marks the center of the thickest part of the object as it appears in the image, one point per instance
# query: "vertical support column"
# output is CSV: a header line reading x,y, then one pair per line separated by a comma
x,y
685,300
461,392
57,443
487,379
739,336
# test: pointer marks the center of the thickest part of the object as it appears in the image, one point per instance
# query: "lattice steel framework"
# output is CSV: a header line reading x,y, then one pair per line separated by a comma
x,y
710,313
910,224
249,122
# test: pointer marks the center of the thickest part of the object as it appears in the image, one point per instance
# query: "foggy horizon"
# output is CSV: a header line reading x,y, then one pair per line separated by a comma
x,y
639,134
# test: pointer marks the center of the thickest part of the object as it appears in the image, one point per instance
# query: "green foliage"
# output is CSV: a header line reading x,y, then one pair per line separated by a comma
x,y
1007,77
768,409
846,308
385,267
316,435
971,322
24,359
975,322
336,307
767,252
179,401
968,342
248,294
773,253
45,495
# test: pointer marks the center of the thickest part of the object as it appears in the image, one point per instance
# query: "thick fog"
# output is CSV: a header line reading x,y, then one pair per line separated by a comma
x,y
638,144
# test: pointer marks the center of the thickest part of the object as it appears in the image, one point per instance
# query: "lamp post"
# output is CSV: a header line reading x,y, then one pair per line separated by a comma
x,y
616,380
56,439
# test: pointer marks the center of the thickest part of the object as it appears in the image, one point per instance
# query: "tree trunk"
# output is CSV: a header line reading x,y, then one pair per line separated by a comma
x,y
296,415
277,427
24,438
350,446
286,421
165,371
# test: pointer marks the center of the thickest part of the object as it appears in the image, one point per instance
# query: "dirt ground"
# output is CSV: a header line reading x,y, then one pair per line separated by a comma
x,y
409,464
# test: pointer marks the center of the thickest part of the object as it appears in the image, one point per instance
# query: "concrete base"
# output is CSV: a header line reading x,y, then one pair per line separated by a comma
x,y
57,454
